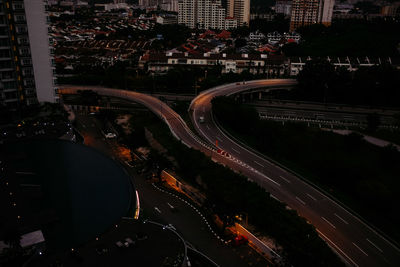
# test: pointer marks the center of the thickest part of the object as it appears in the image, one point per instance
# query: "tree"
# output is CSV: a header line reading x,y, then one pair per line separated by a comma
x,y
315,80
240,42
12,237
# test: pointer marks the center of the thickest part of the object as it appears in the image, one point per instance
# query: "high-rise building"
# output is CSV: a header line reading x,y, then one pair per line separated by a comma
x,y
26,65
202,14
170,5
307,12
239,9
283,7
187,13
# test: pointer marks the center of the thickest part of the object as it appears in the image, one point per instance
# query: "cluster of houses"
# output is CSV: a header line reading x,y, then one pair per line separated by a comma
x,y
269,65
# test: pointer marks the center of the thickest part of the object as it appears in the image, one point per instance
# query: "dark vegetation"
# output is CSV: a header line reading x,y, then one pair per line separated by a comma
x,y
279,24
363,176
369,86
229,194
348,38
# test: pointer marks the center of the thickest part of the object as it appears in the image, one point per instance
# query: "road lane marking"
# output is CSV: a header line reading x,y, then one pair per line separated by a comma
x,y
340,218
310,196
285,179
127,163
300,200
374,245
360,249
236,150
259,164
157,209
331,224
330,241
274,197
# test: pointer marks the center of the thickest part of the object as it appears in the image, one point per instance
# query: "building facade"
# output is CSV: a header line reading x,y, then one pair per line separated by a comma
x,y
283,7
307,12
160,63
187,10
202,14
26,65
239,9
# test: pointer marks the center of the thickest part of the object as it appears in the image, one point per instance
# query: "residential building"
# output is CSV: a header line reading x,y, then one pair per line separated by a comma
x,y
170,5
26,64
230,23
264,16
307,12
276,37
256,36
239,9
202,14
283,7
167,19
254,63
391,10
150,3
187,13
210,14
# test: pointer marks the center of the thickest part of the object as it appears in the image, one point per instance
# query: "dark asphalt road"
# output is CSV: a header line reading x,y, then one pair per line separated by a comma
x,y
186,220
356,242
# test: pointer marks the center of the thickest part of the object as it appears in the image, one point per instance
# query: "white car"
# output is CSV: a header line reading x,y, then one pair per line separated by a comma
x,y
110,135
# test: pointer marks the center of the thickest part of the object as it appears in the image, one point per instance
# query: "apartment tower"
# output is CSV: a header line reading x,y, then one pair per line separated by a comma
x,y
26,64
202,14
239,9
307,12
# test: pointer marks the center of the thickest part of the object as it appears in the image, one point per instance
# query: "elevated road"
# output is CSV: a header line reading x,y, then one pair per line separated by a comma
x,y
356,242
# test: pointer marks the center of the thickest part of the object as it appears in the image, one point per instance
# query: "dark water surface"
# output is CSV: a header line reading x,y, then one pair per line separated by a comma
x,y
88,191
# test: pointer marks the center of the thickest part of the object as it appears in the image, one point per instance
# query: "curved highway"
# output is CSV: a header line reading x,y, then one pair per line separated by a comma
x,y
353,240
358,244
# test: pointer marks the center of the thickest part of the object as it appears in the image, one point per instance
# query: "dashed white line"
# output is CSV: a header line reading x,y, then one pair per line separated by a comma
x,y
286,180
259,164
330,241
127,163
360,249
274,197
374,245
331,224
340,218
157,209
310,196
300,200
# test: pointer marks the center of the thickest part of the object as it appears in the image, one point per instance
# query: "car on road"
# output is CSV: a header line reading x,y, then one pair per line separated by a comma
x,y
201,119
110,135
